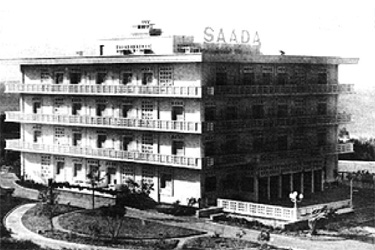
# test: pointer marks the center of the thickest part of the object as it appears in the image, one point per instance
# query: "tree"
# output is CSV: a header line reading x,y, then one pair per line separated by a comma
x,y
49,205
95,179
318,215
114,217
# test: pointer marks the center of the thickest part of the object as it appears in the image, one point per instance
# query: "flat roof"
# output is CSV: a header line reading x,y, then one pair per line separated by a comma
x,y
188,58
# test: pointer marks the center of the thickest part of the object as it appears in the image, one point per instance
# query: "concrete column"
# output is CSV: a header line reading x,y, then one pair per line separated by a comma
x,y
322,185
302,182
268,188
256,189
280,191
312,181
291,183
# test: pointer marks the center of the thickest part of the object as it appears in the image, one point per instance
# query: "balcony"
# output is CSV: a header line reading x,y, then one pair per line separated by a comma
x,y
105,154
107,122
278,122
275,156
105,90
280,90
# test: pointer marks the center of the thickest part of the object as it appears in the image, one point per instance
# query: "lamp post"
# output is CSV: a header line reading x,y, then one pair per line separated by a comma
x,y
295,197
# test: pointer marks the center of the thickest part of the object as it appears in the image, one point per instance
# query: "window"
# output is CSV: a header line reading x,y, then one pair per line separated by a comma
x,y
101,140
322,78
258,111
321,138
45,166
221,78
210,113
322,108
267,75
178,147
127,173
100,77
258,144
177,113
127,78
59,77
231,112
147,78
125,110
126,140
148,175
59,167
166,181
248,76
209,148
36,107
77,168
247,184
147,110
76,108
165,76
37,136
75,77
282,77
282,110
100,108
77,137
210,184
282,142
147,143
44,76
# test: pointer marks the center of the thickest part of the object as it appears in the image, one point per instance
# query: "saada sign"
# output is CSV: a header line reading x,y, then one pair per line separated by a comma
x,y
220,36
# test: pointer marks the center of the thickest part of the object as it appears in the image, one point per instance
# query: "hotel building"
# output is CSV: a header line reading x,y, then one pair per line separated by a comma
x,y
197,121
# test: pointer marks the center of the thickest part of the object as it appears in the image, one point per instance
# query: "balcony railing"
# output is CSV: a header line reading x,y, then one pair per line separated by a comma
x,y
109,122
277,122
281,89
105,154
273,156
105,90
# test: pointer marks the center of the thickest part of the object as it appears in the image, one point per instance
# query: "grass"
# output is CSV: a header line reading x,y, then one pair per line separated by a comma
x,y
212,242
132,228
40,224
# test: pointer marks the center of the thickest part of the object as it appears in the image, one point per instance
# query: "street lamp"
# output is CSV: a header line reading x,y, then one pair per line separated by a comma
x,y
295,197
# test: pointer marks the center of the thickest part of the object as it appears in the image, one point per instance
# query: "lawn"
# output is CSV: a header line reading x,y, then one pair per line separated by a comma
x,y
132,228
213,242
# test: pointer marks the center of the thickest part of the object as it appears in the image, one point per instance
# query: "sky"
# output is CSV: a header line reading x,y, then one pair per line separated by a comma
x,y
42,28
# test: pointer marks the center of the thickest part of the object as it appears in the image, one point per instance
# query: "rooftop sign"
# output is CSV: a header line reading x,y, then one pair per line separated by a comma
x,y
233,37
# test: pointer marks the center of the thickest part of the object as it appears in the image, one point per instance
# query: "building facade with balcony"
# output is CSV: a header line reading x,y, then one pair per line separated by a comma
x,y
202,125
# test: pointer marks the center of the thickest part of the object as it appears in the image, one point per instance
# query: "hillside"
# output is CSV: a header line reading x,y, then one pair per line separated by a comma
x,y
362,107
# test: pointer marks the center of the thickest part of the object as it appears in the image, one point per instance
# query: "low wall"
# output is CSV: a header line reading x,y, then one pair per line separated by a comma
x,y
83,200
333,205
355,166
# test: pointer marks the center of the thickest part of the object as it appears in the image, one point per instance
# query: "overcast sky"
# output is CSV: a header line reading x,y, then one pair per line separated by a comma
x,y
41,28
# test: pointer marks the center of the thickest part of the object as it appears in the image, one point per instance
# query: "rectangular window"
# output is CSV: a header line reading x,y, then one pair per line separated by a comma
x,y
148,175
322,108
178,147
258,111
210,113
147,110
282,142
147,78
37,136
247,184
147,143
37,107
282,78
101,77
59,77
267,73
126,140
45,166
221,78
282,110
248,76
166,181
44,76
125,110
210,184
100,108
165,76
76,108
127,173
77,169
77,138
127,78
209,148
101,141
59,167
75,77
177,113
